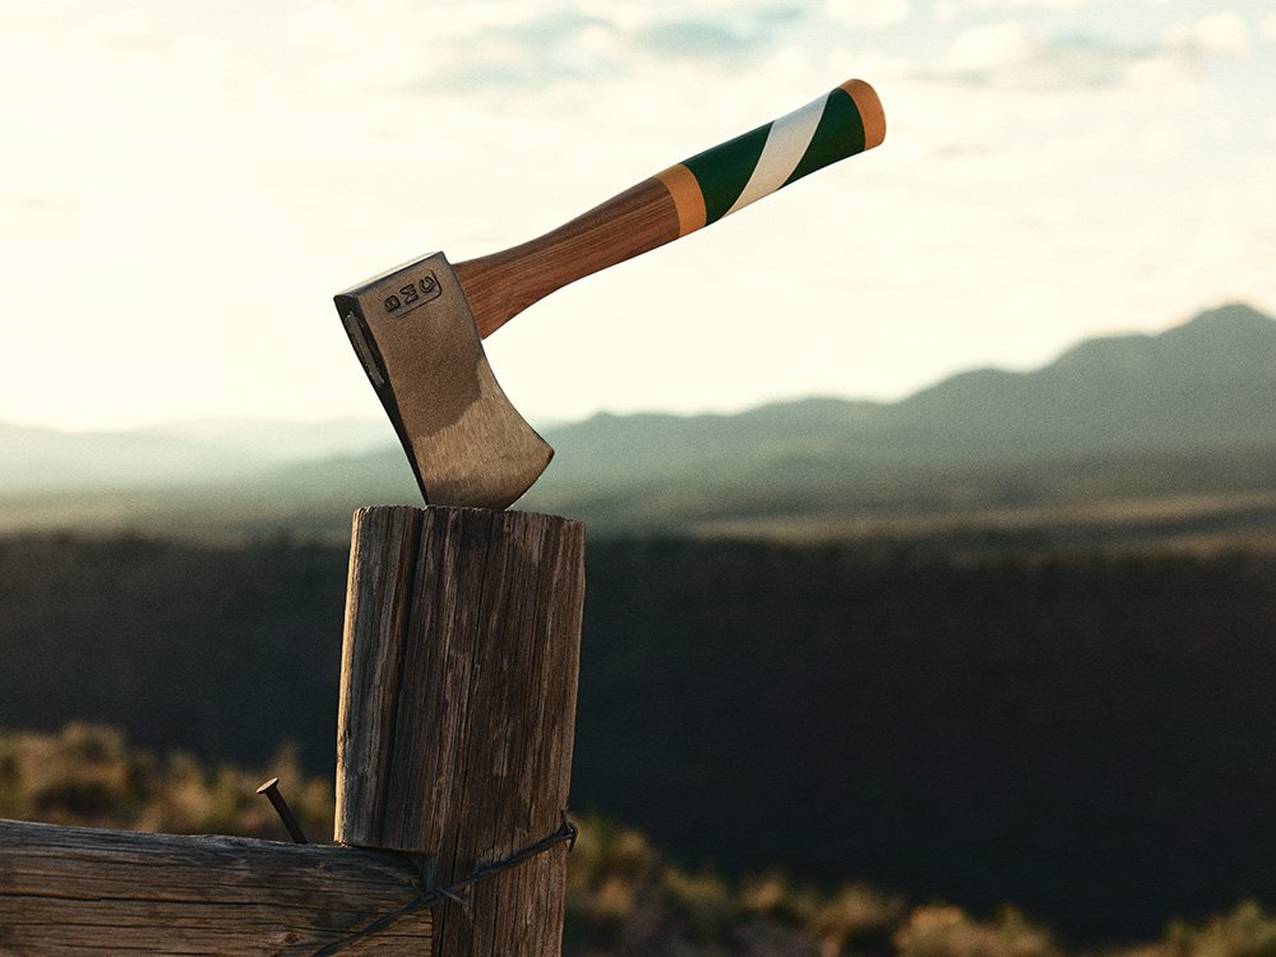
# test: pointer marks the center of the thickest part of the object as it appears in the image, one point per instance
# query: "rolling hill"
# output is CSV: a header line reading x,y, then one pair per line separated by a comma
x,y
1208,384
1187,412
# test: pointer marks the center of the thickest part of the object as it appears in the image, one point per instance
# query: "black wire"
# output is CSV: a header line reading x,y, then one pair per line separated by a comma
x,y
567,831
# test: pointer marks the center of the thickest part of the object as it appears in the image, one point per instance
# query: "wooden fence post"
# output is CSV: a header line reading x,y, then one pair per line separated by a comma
x,y
457,709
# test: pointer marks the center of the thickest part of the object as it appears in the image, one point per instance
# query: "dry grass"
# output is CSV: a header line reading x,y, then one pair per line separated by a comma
x,y
624,898
1198,524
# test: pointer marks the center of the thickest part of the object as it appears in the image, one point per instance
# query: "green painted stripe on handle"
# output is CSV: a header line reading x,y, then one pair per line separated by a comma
x,y
743,170
723,171
839,135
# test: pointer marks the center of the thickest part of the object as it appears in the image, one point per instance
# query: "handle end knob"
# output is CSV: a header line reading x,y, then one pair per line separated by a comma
x,y
870,109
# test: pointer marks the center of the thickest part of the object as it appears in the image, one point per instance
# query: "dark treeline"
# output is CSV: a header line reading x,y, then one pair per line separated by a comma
x,y
1091,738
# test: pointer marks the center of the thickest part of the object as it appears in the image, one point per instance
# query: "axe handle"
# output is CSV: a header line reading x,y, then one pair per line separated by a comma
x,y
682,199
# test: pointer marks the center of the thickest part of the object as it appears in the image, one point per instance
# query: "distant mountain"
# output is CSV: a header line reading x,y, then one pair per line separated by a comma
x,y
1186,411
282,440
1208,384
193,452
46,460
636,447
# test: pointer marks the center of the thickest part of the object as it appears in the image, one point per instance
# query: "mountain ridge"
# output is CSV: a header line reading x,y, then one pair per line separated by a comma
x,y
1196,393
1178,393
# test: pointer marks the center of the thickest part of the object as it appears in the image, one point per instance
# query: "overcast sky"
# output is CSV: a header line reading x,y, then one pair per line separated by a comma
x,y
186,185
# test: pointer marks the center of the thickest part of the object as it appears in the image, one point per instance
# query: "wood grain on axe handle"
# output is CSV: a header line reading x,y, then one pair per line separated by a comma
x,y
502,285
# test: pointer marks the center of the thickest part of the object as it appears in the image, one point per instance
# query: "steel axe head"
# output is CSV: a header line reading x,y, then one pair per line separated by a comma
x,y
417,339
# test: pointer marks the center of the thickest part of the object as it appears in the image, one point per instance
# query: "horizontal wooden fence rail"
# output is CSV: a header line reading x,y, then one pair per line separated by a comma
x,y
76,890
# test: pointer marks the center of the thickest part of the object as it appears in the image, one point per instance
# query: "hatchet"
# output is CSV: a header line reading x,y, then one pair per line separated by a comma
x,y
418,329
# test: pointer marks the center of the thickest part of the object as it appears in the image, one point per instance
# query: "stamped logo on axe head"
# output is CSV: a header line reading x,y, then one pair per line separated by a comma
x,y
418,329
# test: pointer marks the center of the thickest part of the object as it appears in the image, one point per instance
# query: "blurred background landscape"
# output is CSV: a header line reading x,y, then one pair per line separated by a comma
x,y
932,503
1121,441
624,896
1005,642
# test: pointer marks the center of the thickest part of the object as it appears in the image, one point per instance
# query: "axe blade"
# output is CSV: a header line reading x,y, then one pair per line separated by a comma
x,y
417,340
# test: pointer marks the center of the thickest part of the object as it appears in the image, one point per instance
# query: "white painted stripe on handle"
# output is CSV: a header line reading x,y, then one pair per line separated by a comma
x,y
784,148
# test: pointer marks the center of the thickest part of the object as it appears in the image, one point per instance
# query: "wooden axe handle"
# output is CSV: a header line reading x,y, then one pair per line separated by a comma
x,y
683,198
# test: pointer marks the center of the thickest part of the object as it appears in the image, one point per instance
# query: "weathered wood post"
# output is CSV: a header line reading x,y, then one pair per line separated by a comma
x,y
457,709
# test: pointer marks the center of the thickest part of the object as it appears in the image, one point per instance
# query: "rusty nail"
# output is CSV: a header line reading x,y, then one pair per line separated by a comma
x,y
271,790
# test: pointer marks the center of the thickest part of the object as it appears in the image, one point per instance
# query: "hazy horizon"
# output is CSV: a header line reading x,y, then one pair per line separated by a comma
x,y
376,420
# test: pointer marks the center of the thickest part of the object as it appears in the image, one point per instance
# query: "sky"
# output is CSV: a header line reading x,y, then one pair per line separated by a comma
x,y
186,185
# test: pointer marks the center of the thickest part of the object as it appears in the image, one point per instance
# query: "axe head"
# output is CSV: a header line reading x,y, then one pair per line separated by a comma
x,y
416,337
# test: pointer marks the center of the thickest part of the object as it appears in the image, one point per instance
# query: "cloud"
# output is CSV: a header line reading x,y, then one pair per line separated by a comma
x,y
867,14
486,46
123,29
694,38
478,46
1219,34
660,30
948,10
1009,54
1012,55
982,51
